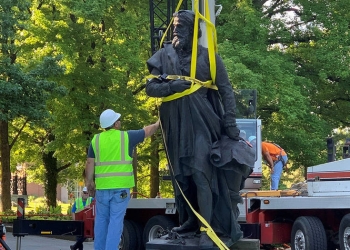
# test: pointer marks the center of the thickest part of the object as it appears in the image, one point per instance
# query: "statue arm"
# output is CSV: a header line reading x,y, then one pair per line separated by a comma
x,y
157,87
228,100
161,87
226,92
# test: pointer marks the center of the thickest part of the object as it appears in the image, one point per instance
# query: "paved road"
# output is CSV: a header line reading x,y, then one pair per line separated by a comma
x,y
32,242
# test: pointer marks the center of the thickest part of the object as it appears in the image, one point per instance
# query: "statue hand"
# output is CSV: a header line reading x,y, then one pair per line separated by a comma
x,y
233,132
178,86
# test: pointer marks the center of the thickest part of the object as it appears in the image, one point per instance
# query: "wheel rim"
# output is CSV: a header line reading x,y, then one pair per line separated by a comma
x,y
346,238
299,240
155,232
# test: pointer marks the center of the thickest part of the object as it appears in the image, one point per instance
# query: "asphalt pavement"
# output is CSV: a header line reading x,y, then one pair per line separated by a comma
x,y
31,242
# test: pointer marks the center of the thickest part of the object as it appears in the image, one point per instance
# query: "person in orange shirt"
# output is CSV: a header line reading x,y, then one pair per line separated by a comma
x,y
276,158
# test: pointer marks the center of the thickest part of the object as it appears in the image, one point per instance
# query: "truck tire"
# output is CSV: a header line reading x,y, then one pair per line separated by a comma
x,y
344,233
128,239
156,226
139,234
308,234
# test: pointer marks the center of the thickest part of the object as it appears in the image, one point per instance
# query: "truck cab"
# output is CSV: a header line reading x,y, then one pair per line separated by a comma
x,y
250,126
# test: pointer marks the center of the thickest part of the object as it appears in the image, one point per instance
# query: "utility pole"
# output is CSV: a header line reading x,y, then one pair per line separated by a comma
x,y
211,4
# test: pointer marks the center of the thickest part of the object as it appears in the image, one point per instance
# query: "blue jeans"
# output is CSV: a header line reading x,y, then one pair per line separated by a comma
x,y
276,176
111,206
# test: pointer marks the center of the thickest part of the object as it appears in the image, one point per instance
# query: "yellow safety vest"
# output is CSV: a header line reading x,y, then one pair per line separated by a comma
x,y
80,205
113,165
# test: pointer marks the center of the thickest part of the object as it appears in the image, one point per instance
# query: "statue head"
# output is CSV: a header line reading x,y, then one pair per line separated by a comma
x,y
183,28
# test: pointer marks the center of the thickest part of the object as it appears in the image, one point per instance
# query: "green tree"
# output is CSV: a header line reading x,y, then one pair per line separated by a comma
x,y
24,88
299,66
287,51
104,49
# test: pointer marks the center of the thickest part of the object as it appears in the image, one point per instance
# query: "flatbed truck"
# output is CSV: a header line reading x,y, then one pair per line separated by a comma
x,y
318,220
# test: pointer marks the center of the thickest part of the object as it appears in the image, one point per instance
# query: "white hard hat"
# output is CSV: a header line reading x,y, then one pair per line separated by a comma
x,y
108,118
85,189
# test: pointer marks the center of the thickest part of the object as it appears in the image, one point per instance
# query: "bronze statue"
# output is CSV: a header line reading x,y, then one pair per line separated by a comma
x,y
192,123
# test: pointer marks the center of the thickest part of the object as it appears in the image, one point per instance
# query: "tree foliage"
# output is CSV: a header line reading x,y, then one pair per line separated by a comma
x,y
98,44
287,50
295,53
24,88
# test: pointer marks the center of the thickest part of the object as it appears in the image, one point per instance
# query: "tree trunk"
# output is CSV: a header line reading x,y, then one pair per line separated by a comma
x,y
154,171
51,174
5,167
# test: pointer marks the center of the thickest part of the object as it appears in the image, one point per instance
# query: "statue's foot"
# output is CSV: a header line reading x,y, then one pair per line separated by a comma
x,y
205,241
188,226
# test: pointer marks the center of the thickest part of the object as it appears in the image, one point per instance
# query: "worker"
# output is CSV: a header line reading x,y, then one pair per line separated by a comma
x,y
276,158
109,161
79,204
192,122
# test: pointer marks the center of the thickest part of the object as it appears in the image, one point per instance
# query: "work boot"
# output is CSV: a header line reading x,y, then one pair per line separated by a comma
x,y
72,247
189,226
205,241
80,246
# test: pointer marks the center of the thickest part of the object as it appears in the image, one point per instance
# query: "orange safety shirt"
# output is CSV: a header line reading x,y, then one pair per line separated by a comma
x,y
272,149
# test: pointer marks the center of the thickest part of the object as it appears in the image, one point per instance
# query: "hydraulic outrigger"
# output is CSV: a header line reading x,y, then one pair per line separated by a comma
x,y
82,226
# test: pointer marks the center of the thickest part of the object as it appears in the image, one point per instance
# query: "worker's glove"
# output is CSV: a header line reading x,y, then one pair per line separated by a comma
x,y
178,86
232,131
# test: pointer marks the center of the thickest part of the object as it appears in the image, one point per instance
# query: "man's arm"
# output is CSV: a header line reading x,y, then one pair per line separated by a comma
x,y
151,129
89,173
74,208
268,159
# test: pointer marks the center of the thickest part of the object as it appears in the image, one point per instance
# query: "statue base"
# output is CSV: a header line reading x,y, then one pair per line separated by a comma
x,y
183,243
191,243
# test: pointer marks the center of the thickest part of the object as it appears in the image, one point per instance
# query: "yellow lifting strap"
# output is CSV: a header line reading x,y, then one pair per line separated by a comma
x,y
211,38
171,21
210,232
196,84
208,229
